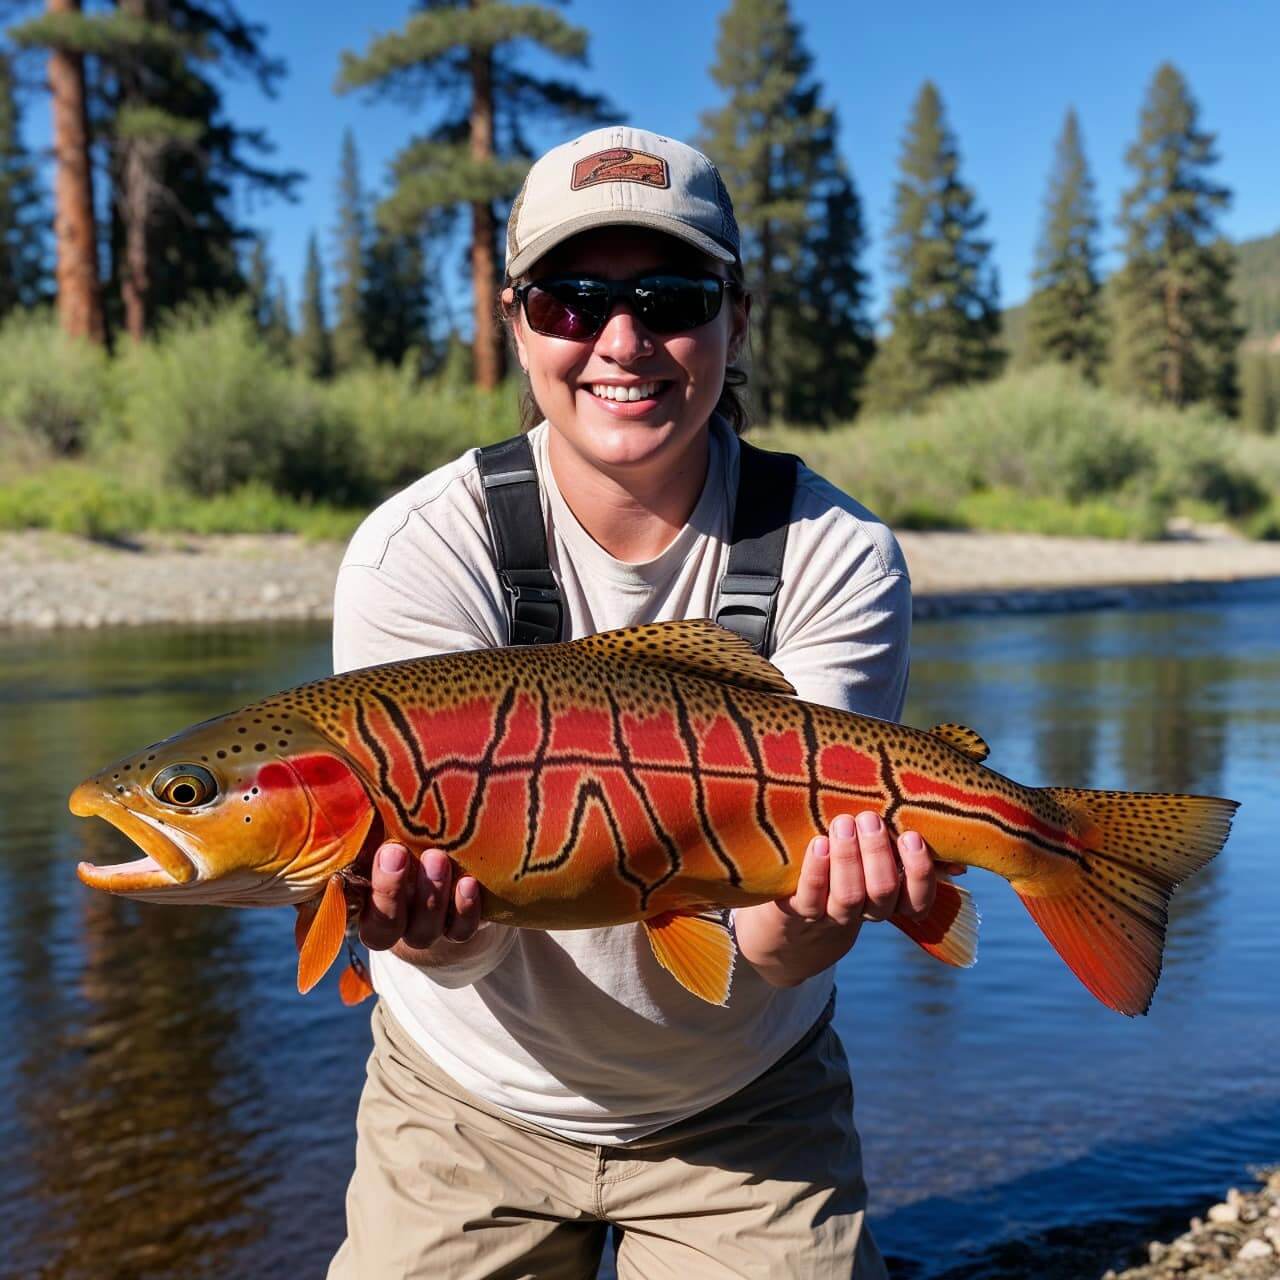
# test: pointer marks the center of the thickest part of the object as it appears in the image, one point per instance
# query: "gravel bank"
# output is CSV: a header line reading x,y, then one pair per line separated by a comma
x,y
52,580
1238,1239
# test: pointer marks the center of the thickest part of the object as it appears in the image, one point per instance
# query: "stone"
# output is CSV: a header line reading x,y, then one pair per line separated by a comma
x,y
1254,1251
1224,1213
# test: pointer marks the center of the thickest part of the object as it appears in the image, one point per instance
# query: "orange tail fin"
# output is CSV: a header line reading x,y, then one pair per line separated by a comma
x,y
950,931
1107,920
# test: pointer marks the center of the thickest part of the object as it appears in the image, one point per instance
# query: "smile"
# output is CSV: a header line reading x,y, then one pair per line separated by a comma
x,y
629,393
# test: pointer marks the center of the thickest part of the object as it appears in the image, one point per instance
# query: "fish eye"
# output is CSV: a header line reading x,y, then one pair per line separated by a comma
x,y
185,785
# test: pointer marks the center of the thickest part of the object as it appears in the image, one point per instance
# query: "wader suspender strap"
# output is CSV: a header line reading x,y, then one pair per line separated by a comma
x,y
534,604
748,593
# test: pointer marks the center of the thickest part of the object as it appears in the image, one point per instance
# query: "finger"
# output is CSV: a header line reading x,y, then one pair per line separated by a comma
x,y
431,901
920,881
466,910
847,897
383,917
880,868
809,901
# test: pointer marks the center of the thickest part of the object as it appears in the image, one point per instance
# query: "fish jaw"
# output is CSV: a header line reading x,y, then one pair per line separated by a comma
x,y
166,864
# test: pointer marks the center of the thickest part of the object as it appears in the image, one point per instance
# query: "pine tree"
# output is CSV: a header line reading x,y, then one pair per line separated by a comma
x,y
65,31
315,350
1260,392
278,334
944,313
465,51
172,156
798,212
258,284
350,343
1176,330
1065,320
23,213
396,315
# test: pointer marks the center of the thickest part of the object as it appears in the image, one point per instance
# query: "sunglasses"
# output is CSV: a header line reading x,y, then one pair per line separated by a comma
x,y
577,307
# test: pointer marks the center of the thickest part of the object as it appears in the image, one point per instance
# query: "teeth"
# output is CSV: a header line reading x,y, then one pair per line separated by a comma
x,y
640,391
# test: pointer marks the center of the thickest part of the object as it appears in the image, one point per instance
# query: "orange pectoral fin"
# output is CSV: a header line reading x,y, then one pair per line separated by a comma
x,y
950,931
696,950
354,985
324,935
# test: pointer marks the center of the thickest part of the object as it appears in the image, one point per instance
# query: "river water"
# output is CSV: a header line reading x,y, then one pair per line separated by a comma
x,y
174,1109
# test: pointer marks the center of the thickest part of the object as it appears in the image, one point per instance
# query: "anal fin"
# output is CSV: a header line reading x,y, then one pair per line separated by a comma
x,y
950,931
697,950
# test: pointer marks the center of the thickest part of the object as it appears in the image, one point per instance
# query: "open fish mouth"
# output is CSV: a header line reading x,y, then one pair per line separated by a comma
x,y
165,866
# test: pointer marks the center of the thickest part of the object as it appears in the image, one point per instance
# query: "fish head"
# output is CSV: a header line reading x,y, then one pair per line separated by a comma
x,y
256,808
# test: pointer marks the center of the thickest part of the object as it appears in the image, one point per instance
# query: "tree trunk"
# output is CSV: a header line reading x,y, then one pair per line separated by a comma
x,y
487,352
79,291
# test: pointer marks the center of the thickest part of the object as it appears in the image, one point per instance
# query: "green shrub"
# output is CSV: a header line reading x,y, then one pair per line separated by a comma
x,y
52,388
75,498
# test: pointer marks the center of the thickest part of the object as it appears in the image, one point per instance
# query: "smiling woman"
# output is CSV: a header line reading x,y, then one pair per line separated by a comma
x,y
529,1090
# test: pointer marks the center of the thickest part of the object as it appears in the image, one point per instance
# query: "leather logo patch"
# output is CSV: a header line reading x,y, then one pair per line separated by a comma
x,y
620,164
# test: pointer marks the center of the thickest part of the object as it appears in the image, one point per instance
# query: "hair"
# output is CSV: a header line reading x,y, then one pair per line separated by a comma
x,y
731,406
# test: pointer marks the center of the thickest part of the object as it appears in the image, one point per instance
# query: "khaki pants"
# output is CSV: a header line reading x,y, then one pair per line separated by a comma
x,y
767,1183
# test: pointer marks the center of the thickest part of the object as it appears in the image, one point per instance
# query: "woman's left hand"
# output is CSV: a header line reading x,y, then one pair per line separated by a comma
x,y
851,875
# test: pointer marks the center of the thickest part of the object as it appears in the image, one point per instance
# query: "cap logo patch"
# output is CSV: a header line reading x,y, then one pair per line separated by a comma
x,y
620,164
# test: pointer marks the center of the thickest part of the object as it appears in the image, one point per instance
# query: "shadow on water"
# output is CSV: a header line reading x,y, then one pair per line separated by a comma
x,y
967,1236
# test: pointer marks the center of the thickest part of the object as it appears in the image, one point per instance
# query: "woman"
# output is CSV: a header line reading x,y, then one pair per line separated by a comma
x,y
527,1089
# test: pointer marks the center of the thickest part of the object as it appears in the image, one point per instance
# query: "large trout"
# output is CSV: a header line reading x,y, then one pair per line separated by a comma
x,y
656,774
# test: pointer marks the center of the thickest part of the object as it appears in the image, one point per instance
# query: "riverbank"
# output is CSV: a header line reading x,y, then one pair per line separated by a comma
x,y
1238,1239
50,580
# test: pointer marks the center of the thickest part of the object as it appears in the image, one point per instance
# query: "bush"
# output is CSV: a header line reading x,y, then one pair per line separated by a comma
x,y
74,498
52,388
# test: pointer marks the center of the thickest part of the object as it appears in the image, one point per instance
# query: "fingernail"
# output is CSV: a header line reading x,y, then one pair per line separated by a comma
x,y
869,823
912,842
435,864
842,827
467,893
820,847
392,857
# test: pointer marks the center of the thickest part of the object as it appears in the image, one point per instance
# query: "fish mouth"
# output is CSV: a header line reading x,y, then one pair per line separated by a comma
x,y
165,866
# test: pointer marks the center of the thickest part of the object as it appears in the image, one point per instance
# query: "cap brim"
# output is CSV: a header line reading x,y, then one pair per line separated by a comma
x,y
672,226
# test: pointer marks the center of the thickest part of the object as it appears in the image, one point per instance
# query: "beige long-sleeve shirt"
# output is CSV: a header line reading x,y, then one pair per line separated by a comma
x,y
581,1031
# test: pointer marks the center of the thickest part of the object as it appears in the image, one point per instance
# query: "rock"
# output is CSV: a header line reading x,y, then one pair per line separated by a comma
x,y
1224,1213
1156,1251
1255,1250
1234,1197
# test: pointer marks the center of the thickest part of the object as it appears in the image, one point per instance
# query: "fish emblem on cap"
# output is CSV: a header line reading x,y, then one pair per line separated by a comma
x,y
620,164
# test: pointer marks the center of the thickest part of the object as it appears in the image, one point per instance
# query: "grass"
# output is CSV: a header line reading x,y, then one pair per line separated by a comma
x,y
203,430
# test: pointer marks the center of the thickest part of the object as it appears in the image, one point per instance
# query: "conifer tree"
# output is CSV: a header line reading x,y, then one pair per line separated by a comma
x,y
944,309
1065,320
1176,331
23,213
350,344
396,313
315,349
464,51
799,214
1260,392
278,334
258,284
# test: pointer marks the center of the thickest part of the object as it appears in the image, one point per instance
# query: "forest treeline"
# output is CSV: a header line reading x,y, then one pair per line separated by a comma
x,y
143,229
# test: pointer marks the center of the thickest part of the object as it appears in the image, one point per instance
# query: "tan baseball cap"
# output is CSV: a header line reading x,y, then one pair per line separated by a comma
x,y
620,176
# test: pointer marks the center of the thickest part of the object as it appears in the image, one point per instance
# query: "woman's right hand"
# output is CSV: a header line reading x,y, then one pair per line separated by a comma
x,y
417,900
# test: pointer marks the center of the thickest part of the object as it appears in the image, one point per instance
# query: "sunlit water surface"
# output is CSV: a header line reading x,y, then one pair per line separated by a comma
x,y
174,1109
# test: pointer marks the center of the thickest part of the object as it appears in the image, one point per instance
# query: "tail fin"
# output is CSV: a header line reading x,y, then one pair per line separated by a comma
x,y
950,931
1107,920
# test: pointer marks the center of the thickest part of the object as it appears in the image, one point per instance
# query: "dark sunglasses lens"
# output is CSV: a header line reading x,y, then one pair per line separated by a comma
x,y
671,304
566,309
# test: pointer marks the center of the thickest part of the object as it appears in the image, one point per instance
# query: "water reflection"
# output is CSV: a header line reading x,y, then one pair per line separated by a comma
x,y
175,1110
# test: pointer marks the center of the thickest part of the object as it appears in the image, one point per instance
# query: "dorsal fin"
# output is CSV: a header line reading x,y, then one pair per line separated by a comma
x,y
964,739
697,647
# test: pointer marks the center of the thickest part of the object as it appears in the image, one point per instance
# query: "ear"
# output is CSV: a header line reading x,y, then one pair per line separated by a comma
x,y
516,311
739,325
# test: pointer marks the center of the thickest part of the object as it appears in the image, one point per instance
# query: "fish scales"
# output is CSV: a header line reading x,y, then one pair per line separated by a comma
x,y
649,774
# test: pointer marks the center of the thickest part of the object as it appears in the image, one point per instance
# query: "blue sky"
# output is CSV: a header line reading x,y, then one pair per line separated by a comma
x,y
1007,72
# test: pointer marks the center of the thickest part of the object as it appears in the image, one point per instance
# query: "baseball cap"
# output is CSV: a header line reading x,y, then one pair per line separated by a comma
x,y
619,176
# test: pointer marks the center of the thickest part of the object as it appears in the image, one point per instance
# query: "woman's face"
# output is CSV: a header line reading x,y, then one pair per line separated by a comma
x,y
569,377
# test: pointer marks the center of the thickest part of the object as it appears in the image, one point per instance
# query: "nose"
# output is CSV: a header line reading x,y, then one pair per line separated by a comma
x,y
624,337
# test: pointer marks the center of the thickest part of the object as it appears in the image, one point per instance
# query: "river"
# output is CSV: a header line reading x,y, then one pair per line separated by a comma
x,y
175,1109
